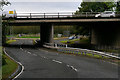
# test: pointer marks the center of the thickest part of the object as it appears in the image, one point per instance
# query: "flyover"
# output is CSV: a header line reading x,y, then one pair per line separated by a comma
x,y
104,31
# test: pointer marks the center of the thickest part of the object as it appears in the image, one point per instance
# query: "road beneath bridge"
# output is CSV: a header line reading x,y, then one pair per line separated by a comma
x,y
44,63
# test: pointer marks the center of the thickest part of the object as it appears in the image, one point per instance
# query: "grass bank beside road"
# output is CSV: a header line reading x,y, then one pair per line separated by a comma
x,y
9,67
10,41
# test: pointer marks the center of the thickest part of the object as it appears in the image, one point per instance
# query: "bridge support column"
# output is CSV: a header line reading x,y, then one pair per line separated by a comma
x,y
46,33
106,34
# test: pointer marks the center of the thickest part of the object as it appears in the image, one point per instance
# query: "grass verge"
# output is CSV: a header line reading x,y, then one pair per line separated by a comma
x,y
10,41
9,68
89,55
69,41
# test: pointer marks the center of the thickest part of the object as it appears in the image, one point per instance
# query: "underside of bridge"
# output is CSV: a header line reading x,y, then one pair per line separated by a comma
x,y
106,34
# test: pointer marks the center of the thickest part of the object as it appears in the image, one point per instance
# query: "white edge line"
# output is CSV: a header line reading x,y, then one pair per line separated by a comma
x,y
57,61
18,63
20,72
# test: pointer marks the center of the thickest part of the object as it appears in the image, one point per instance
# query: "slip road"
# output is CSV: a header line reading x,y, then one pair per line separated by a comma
x,y
39,63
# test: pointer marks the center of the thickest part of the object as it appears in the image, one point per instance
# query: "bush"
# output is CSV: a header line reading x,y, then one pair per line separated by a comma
x,y
3,60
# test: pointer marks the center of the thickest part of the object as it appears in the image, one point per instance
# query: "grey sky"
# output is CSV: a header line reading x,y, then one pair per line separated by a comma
x,y
45,0
43,7
62,0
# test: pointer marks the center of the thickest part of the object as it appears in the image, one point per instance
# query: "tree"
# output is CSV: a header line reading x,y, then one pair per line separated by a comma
x,y
4,24
91,7
118,6
95,6
4,3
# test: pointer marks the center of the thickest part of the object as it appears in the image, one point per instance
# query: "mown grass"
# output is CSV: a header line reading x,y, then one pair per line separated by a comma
x,y
10,41
69,41
88,55
29,37
9,68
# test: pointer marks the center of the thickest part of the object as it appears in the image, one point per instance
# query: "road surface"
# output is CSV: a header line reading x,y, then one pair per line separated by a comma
x,y
41,63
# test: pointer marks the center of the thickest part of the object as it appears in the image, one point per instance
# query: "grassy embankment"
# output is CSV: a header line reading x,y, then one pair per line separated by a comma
x,y
85,41
9,67
10,41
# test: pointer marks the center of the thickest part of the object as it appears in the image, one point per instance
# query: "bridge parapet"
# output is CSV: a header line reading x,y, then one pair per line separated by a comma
x,y
56,15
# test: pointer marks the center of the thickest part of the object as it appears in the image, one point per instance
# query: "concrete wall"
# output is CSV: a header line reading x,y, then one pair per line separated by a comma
x,y
46,33
106,34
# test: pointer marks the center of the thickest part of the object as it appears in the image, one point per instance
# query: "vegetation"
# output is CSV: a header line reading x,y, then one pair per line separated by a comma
x,y
70,41
83,40
118,6
10,41
4,24
91,7
9,67
95,7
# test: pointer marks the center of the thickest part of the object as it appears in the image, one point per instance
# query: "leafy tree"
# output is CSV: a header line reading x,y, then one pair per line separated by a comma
x,y
118,6
95,6
91,7
4,3
4,24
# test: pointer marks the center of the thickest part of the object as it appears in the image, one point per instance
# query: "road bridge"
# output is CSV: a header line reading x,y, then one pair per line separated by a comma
x,y
104,31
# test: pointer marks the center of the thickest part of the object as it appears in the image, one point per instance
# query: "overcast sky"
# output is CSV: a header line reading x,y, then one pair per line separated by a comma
x,y
62,0
42,7
45,0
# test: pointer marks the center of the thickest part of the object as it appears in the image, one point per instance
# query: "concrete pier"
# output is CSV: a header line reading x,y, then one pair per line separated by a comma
x,y
46,33
106,34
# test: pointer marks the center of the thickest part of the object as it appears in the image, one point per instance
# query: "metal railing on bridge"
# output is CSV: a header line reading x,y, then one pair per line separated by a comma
x,y
56,15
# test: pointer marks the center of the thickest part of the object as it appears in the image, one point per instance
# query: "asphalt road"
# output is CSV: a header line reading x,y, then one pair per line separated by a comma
x,y
40,63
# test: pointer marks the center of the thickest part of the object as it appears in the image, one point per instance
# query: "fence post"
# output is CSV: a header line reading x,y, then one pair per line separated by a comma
x,y
44,15
85,53
30,15
66,45
56,45
58,15
86,14
72,14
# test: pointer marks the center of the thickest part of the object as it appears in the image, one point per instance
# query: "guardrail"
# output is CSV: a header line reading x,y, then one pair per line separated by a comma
x,y
66,49
56,15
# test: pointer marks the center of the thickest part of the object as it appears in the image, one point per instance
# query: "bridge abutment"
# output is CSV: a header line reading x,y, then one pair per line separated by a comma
x,y
106,34
46,33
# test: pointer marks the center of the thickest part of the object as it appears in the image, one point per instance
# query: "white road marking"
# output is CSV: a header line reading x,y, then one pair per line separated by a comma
x,y
57,61
72,68
25,51
18,63
43,50
29,52
68,65
34,54
20,71
21,48
44,57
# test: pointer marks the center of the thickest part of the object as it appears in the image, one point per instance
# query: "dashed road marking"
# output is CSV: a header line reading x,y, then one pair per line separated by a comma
x,y
21,48
25,51
29,52
43,50
72,68
34,54
57,61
